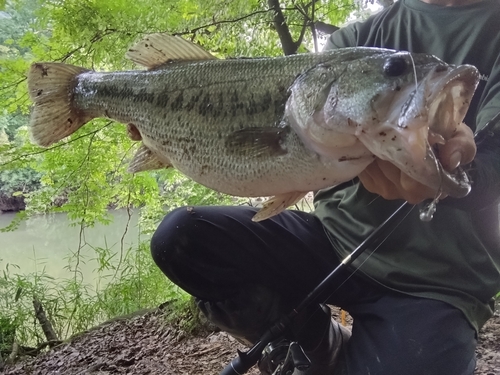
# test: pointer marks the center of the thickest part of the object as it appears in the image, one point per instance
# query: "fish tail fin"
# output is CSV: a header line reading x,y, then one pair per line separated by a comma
x,y
54,116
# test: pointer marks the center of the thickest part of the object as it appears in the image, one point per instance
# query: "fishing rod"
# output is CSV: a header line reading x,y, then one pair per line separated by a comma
x,y
249,358
246,360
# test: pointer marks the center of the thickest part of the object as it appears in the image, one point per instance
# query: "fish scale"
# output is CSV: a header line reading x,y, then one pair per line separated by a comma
x,y
277,127
195,149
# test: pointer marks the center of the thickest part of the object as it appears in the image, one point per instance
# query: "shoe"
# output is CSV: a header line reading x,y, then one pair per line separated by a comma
x,y
326,356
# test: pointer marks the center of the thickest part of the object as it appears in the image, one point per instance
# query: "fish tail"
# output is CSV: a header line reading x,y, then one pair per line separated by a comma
x,y
54,116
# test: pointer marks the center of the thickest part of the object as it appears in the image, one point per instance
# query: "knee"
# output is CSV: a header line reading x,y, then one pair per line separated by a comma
x,y
172,236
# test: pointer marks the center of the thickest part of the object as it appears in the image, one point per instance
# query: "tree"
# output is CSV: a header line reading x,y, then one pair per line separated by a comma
x,y
86,173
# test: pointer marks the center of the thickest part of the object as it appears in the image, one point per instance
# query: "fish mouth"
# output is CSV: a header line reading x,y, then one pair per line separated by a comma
x,y
445,95
449,97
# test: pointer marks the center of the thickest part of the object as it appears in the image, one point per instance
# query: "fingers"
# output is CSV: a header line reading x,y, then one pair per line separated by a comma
x,y
414,192
458,150
383,178
374,180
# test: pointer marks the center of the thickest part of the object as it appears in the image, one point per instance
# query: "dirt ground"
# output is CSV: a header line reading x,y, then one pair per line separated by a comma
x,y
146,344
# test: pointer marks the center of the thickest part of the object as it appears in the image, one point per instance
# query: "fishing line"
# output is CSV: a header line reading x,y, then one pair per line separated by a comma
x,y
353,272
414,71
427,212
247,359
370,254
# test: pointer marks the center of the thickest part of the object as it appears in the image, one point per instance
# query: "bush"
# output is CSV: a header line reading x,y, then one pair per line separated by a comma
x,y
73,306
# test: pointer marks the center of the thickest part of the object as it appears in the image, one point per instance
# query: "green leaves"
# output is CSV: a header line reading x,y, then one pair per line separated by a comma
x,y
86,174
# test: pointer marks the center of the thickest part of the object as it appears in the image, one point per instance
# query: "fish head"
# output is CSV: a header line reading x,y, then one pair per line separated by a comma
x,y
399,105
409,122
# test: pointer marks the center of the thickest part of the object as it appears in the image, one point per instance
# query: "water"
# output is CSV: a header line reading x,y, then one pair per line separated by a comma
x,y
46,242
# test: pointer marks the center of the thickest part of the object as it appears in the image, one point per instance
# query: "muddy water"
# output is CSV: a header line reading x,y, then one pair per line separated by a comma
x,y
47,243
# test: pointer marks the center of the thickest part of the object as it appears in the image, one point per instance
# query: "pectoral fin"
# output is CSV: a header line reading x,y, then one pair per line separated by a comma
x,y
133,133
277,204
258,142
145,160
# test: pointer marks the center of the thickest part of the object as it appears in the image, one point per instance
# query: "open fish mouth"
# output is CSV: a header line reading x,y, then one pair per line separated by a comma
x,y
444,96
450,97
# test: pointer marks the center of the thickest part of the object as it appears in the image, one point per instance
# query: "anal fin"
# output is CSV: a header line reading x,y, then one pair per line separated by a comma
x,y
145,160
279,203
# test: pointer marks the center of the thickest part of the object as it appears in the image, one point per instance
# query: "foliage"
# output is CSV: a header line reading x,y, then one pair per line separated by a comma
x,y
7,333
85,174
18,181
10,123
73,305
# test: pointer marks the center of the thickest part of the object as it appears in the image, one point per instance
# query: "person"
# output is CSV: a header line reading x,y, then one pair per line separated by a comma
x,y
418,301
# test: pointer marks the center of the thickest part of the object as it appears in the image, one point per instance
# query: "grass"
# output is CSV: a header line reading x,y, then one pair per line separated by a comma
x,y
127,279
73,306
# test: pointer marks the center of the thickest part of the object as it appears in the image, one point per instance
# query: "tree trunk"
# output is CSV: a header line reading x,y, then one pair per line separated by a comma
x,y
287,43
47,328
13,355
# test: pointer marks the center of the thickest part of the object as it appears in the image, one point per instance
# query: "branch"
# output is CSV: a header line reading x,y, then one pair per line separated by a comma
x,y
47,328
13,84
122,239
287,43
313,28
14,353
96,38
69,54
92,133
216,23
325,28
302,31
309,21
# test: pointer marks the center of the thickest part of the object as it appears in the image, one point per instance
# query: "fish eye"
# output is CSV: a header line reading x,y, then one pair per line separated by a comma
x,y
395,66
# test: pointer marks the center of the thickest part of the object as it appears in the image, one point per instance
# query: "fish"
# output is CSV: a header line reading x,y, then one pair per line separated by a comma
x,y
276,127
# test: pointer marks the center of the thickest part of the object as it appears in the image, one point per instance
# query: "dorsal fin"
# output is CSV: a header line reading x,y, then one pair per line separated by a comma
x,y
158,49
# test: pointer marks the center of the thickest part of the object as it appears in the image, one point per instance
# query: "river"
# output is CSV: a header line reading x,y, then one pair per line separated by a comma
x,y
45,242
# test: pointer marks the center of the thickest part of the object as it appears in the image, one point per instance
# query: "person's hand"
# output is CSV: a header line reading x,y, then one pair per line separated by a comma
x,y
385,179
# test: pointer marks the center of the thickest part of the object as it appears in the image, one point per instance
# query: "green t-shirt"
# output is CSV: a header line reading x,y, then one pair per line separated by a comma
x,y
455,257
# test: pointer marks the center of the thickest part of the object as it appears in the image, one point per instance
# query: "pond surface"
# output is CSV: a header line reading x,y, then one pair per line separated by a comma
x,y
46,242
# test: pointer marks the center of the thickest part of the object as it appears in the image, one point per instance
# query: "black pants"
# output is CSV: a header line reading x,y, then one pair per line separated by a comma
x,y
246,274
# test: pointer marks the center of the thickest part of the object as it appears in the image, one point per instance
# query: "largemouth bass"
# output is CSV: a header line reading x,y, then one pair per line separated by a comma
x,y
278,127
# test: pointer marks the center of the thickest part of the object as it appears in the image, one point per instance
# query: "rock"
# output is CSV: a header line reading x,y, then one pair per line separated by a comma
x,y
11,204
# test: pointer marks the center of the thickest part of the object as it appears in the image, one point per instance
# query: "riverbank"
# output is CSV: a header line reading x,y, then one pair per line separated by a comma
x,y
148,345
